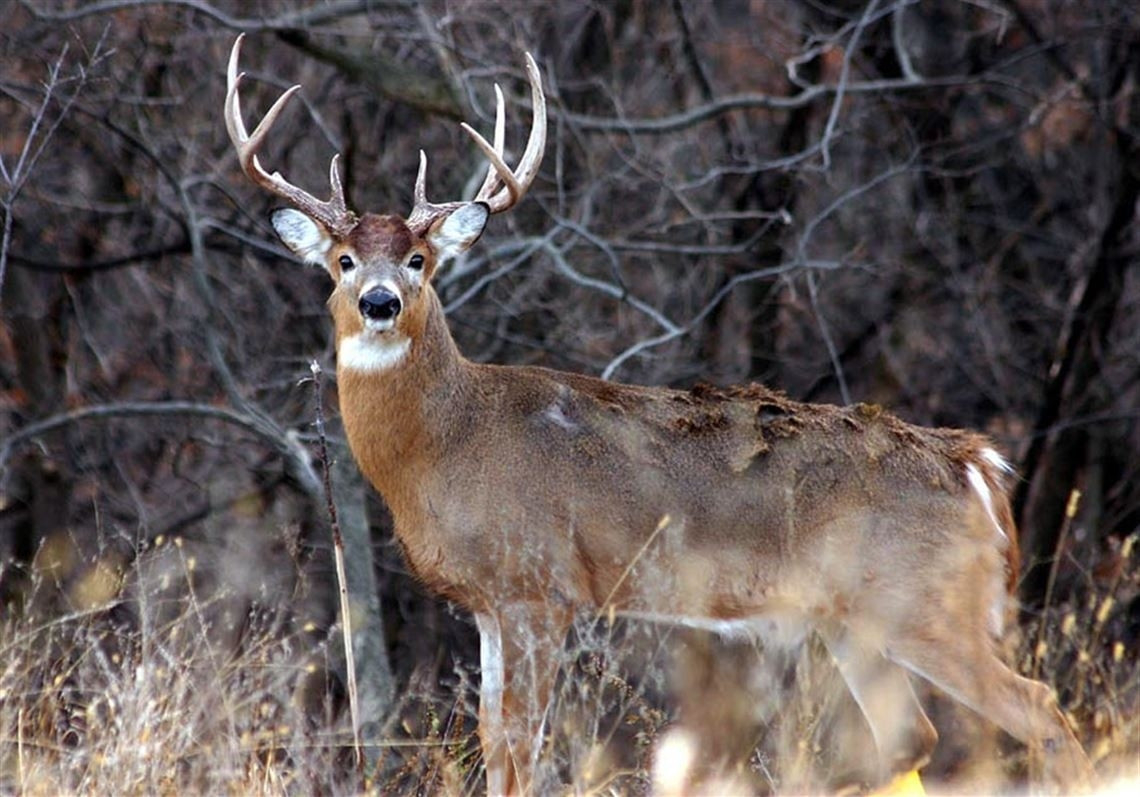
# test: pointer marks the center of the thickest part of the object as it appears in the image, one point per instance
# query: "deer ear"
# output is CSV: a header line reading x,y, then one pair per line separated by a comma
x,y
308,239
459,230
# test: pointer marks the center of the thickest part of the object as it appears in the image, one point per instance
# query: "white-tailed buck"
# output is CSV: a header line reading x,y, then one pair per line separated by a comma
x,y
528,495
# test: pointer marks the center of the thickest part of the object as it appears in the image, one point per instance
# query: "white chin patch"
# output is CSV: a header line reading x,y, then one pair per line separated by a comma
x,y
369,351
378,325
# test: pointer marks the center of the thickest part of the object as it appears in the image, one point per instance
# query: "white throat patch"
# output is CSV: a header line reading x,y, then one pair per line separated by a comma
x,y
367,351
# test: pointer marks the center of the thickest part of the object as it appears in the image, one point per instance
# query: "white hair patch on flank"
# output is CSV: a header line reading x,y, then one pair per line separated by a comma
x,y
997,460
371,352
978,482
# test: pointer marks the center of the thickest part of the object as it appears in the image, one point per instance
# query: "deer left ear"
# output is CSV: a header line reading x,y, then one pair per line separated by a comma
x,y
308,239
459,230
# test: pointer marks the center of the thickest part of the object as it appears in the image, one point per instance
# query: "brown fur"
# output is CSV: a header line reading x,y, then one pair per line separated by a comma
x,y
385,236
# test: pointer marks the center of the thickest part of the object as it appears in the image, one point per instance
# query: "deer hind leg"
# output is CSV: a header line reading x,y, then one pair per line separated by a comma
x,y
965,666
904,735
519,653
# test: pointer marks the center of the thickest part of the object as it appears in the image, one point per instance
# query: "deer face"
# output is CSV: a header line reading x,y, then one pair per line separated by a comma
x,y
382,270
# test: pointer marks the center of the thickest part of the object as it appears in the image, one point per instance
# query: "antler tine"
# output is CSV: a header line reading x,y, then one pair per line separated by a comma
x,y
536,143
334,213
497,171
500,140
419,194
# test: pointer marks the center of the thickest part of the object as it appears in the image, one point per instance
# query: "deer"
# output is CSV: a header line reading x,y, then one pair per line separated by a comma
x,y
529,496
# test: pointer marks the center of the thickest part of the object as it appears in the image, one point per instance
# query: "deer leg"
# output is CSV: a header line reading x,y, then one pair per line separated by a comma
x,y
904,735
520,649
966,667
491,733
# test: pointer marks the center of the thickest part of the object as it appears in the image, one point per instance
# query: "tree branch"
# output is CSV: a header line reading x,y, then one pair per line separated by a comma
x,y
388,77
134,258
287,444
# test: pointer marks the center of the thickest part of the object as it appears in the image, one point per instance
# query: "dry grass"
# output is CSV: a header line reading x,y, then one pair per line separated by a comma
x,y
153,693
88,708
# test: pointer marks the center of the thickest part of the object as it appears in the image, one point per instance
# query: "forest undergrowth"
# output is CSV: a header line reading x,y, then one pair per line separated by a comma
x,y
135,693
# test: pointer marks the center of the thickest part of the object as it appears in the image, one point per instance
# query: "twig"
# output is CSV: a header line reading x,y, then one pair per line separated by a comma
x,y
828,342
341,579
607,607
1062,539
615,291
315,15
35,143
757,101
710,305
842,84
898,40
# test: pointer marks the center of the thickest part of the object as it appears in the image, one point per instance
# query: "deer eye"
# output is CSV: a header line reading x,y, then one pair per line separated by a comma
x,y
346,263
416,263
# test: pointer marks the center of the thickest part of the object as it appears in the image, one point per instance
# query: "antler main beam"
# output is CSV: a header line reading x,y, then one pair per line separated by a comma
x,y
334,213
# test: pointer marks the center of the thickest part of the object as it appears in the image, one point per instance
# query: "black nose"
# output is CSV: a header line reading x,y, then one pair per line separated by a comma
x,y
380,305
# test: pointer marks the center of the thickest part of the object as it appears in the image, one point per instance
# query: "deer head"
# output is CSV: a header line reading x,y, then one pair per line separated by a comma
x,y
382,265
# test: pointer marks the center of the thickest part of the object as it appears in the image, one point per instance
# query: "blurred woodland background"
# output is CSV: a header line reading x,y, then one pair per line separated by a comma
x,y
930,205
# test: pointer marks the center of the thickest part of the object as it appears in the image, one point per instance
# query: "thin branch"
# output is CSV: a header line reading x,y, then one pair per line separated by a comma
x,y
128,409
842,85
526,247
201,282
35,144
133,259
813,288
843,199
693,116
902,55
664,247
26,159
828,342
314,15
609,289
756,101
718,297
583,231
338,556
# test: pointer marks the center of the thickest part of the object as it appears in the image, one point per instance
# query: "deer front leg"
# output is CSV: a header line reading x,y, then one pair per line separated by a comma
x,y
519,652
491,733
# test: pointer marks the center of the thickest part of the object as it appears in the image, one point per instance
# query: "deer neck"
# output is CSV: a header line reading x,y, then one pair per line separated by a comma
x,y
396,416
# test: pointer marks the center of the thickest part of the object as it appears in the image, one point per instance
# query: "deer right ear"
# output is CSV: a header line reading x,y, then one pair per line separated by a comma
x,y
459,230
308,239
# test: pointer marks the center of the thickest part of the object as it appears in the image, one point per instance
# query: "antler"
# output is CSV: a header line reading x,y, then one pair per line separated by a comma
x,y
514,182
333,214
